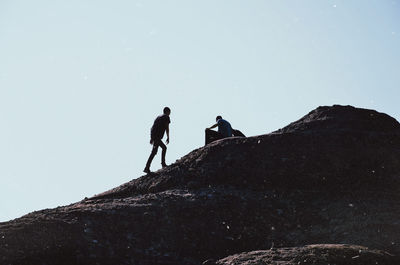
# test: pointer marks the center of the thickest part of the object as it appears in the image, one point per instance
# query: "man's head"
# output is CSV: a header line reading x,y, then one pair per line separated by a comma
x,y
167,111
218,118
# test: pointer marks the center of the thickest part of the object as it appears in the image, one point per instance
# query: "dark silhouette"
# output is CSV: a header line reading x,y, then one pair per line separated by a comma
x,y
211,136
224,127
224,130
160,126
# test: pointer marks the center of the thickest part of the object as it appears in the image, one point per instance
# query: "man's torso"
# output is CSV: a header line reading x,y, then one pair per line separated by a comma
x,y
224,128
159,126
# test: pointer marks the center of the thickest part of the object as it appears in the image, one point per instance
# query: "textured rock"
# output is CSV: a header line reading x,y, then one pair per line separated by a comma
x,y
331,177
313,254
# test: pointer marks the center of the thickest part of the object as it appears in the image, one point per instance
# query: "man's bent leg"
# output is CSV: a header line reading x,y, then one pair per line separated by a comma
x,y
212,136
153,153
164,152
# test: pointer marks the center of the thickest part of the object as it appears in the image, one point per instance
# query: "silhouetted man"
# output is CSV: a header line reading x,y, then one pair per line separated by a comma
x,y
160,126
224,127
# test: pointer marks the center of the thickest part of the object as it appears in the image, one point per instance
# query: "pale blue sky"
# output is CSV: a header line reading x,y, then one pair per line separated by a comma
x,y
82,81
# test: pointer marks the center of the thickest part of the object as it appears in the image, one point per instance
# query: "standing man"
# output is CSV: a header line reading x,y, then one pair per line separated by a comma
x,y
160,126
224,127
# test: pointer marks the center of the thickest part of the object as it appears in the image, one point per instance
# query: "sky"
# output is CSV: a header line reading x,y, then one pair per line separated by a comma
x,y
81,81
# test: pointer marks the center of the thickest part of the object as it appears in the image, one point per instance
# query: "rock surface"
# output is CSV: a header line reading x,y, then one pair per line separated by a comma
x,y
330,178
313,254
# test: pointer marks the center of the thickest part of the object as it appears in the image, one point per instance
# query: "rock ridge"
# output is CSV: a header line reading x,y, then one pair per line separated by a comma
x,y
307,145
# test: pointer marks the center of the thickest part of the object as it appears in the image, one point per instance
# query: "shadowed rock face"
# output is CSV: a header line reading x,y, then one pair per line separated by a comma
x,y
331,177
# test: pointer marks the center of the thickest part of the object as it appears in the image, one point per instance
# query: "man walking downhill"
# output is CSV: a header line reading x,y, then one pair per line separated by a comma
x,y
160,126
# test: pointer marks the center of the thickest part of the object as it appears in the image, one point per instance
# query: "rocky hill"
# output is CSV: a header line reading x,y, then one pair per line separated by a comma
x,y
323,190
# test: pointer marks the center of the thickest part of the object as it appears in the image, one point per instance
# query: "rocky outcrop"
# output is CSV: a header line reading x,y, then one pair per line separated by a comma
x,y
343,118
330,178
313,254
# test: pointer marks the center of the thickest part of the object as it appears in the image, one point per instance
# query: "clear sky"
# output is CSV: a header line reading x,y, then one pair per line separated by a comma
x,y
81,81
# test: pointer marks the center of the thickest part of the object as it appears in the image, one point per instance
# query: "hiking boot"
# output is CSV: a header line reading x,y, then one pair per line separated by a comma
x,y
147,170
